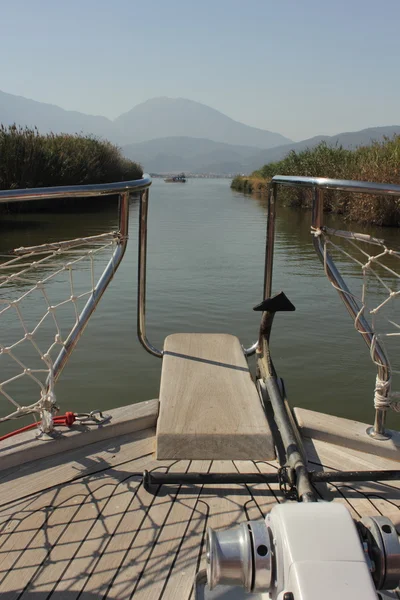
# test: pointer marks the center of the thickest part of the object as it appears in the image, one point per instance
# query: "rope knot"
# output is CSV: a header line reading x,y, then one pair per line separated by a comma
x,y
316,231
382,394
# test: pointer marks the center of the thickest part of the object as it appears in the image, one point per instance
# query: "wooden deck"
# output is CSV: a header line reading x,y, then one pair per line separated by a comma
x,y
209,405
88,529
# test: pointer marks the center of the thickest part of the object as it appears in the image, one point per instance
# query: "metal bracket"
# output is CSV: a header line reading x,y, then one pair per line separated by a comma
x,y
95,415
286,483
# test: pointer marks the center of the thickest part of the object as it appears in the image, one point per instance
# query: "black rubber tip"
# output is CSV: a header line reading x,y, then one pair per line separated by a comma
x,y
278,303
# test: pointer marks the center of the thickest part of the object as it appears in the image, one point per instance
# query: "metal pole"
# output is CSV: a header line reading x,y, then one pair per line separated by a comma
x,y
159,478
293,454
141,291
270,240
142,272
123,215
378,430
99,290
317,208
269,253
251,349
92,302
76,191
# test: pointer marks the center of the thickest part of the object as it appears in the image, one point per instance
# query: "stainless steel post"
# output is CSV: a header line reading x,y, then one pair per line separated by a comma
x,y
99,290
270,240
269,253
141,292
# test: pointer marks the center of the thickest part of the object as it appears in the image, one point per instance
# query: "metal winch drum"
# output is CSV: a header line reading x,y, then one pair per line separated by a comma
x,y
305,550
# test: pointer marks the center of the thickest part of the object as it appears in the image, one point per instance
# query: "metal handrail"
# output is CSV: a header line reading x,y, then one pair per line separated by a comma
x,y
142,271
76,191
141,288
318,185
342,185
123,189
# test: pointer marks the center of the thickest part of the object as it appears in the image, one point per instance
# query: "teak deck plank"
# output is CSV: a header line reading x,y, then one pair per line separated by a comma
x,y
55,470
346,433
209,404
102,535
363,498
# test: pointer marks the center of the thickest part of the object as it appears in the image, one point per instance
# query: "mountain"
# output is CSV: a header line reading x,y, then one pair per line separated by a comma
x,y
174,134
166,117
349,140
156,118
195,155
48,117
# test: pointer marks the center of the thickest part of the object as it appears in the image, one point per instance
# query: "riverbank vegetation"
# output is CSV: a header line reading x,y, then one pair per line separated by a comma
x,y
28,159
378,162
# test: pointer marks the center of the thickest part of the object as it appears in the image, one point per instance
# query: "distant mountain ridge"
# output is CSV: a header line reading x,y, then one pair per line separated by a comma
x,y
49,117
178,117
348,139
175,154
174,134
194,155
155,118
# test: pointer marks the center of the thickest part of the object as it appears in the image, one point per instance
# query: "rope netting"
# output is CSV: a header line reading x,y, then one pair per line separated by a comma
x,y
369,272
43,290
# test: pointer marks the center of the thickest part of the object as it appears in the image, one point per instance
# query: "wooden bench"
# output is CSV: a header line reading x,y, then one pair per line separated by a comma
x,y
209,404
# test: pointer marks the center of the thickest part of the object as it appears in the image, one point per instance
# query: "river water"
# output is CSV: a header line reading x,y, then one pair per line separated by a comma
x,y
205,273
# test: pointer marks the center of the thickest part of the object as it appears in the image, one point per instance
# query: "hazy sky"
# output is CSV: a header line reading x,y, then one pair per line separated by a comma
x,y
299,67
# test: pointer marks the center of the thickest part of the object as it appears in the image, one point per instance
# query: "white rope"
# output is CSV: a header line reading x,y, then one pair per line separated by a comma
x,y
56,246
383,397
380,288
43,276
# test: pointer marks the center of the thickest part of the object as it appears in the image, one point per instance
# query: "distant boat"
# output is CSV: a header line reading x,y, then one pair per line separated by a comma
x,y
177,179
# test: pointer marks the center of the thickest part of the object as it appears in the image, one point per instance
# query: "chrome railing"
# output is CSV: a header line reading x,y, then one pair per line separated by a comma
x,y
142,272
318,185
76,191
123,189
141,291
